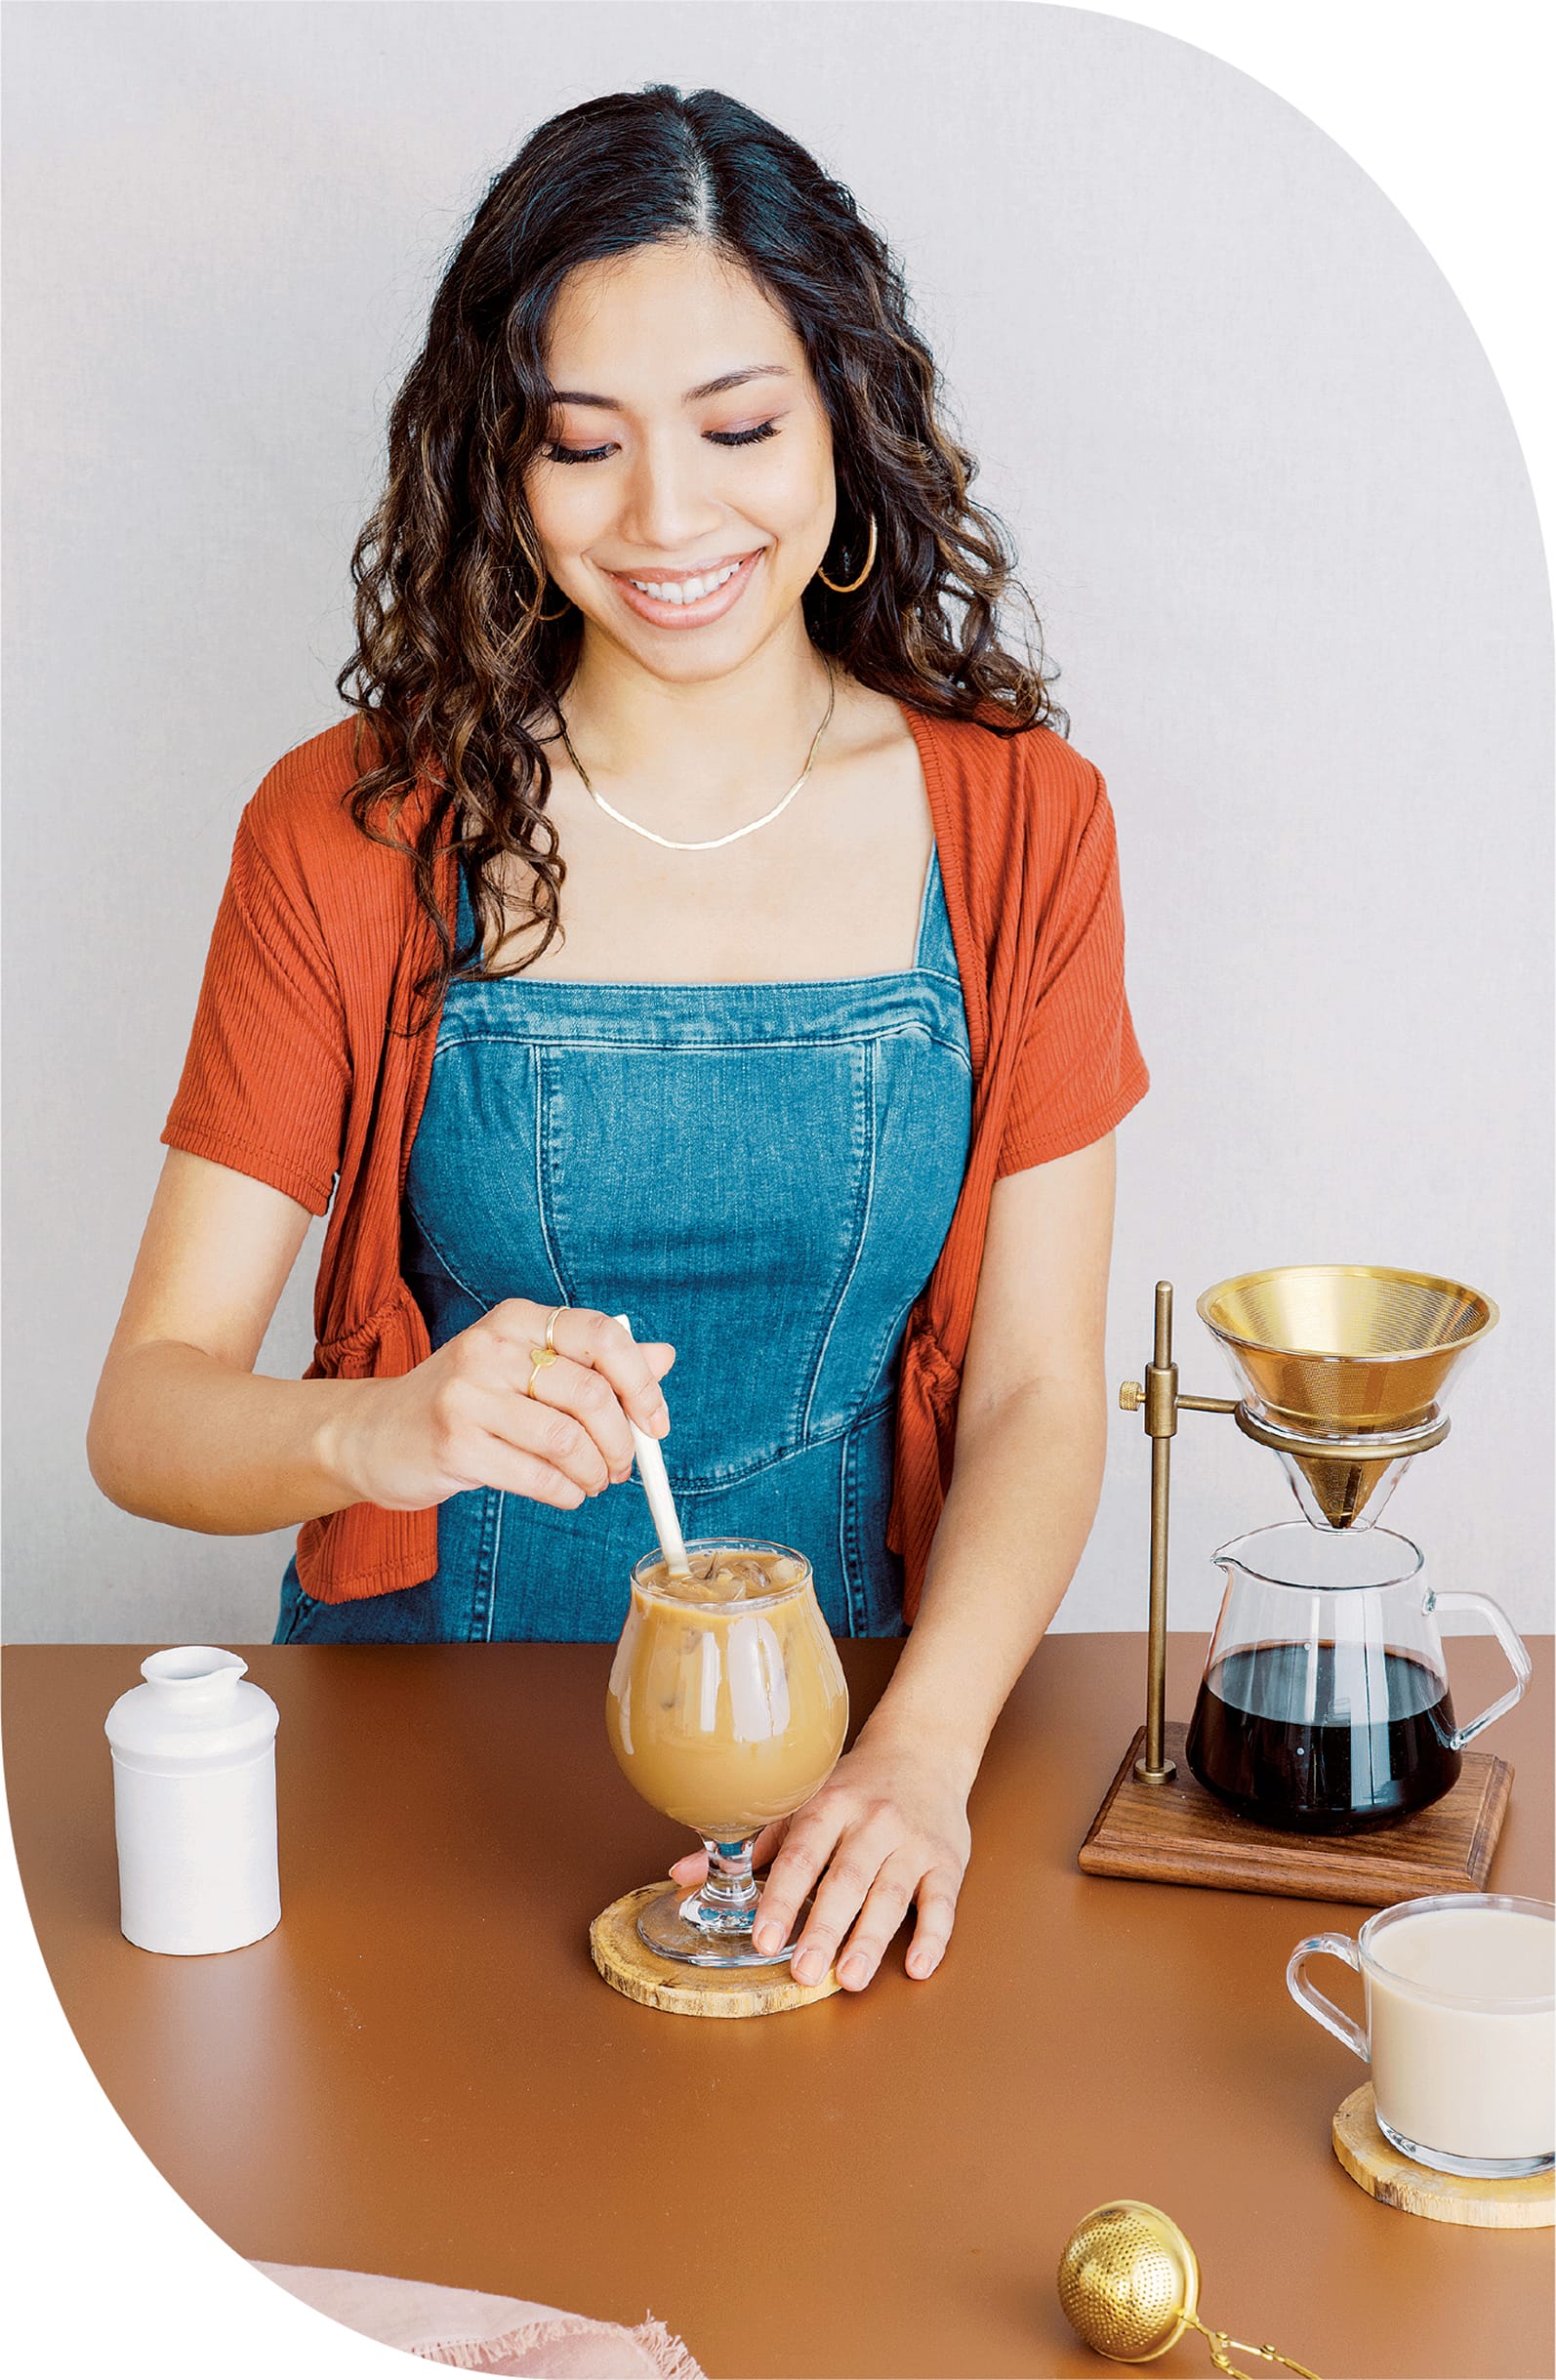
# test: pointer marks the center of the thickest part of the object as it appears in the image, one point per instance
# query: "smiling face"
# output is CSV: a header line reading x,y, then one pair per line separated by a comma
x,y
683,495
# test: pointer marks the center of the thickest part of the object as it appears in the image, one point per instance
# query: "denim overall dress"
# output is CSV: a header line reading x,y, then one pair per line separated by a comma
x,y
763,1173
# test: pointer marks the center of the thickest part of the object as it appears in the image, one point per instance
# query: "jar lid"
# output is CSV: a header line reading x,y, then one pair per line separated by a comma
x,y
193,1711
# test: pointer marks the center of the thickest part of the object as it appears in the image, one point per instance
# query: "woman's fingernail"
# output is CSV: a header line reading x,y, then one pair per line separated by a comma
x,y
806,1968
767,1937
919,1963
852,1971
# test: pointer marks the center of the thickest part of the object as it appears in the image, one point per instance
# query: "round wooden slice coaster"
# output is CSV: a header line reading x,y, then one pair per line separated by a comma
x,y
630,1966
1376,2165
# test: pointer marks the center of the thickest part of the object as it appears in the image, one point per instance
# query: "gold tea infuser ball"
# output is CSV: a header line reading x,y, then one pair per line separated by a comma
x,y
1129,2286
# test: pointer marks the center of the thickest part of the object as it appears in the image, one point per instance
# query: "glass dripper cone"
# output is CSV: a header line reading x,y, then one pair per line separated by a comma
x,y
1342,1491
1347,1354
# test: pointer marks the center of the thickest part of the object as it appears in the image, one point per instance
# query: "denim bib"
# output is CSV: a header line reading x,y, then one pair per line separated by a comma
x,y
763,1173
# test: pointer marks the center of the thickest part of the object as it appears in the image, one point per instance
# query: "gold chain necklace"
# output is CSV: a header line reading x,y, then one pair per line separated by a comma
x,y
716,842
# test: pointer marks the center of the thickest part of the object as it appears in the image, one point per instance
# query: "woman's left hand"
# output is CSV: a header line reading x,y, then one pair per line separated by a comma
x,y
888,1828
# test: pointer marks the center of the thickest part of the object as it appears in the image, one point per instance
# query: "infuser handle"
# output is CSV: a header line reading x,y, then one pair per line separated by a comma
x,y
1334,2019
1512,1645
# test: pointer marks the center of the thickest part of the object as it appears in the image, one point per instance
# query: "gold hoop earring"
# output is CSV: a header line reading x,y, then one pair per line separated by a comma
x,y
869,560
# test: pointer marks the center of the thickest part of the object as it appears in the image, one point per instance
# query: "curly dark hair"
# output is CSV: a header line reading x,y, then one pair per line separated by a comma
x,y
457,673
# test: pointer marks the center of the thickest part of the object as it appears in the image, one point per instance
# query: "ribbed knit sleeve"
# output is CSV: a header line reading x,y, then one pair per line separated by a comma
x,y
1079,1070
267,1079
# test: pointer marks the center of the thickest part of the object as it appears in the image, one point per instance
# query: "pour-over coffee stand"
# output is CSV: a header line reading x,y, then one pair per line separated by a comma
x,y
1343,1369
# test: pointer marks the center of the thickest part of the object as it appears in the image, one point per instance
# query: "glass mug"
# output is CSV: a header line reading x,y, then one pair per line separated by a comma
x,y
725,1714
1460,2027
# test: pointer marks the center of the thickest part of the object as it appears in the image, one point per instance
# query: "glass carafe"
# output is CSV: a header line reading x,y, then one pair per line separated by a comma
x,y
1325,1706
725,1715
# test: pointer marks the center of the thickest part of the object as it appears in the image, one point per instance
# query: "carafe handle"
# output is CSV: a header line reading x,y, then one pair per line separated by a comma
x,y
1512,1645
1334,2019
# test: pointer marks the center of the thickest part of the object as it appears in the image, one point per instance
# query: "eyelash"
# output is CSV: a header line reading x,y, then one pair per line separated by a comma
x,y
719,437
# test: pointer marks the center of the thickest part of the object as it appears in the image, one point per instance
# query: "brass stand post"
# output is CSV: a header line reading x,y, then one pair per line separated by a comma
x,y
1160,1400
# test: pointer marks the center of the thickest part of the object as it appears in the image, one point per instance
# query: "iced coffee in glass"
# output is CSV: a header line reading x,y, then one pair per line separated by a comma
x,y
726,1709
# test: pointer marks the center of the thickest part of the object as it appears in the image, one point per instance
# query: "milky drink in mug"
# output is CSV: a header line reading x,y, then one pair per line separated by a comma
x,y
726,1707
1460,2027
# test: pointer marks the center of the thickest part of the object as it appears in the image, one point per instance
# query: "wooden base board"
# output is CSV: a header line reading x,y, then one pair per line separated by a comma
x,y
630,1966
1178,1833
1376,2166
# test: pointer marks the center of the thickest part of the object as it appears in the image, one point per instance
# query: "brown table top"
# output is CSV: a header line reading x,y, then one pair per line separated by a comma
x,y
420,2073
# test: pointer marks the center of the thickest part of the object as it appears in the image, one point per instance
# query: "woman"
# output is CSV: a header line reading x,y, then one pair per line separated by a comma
x,y
817,1085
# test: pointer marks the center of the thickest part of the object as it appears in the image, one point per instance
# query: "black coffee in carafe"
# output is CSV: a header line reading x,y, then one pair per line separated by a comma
x,y
1322,1739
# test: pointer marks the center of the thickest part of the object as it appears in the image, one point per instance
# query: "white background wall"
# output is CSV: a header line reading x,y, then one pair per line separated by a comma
x,y
1387,75
1269,500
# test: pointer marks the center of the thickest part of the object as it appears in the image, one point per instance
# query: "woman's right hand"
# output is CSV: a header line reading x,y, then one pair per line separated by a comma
x,y
463,1419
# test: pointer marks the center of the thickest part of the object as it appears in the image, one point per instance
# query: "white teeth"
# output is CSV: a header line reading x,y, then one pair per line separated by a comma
x,y
684,590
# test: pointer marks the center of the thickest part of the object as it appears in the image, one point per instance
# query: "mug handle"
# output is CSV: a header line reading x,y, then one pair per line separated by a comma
x,y
1334,2019
1512,1645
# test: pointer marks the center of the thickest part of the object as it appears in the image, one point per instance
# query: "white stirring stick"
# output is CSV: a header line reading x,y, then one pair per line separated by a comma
x,y
656,1487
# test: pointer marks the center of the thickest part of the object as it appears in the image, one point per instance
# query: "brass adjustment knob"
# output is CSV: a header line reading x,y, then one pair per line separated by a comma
x,y
1131,1396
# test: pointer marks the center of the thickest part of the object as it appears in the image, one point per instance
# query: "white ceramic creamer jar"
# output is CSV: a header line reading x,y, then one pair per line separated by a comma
x,y
195,1804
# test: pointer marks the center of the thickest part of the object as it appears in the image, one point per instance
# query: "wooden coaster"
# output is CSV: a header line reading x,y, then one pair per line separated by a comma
x,y
1178,1833
630,1966
1378,2167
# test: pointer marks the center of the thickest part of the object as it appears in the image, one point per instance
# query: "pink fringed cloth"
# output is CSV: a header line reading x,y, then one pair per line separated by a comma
x,y
472,2333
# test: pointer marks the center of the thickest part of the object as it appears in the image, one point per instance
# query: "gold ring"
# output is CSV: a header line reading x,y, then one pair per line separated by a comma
x,y
552,1326
540,1357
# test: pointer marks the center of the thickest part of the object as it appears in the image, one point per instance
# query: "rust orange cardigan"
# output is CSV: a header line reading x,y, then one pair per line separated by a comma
x,y
300,1071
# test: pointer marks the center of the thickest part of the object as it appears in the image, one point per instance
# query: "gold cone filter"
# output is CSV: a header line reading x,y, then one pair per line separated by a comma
x,y
1344,1352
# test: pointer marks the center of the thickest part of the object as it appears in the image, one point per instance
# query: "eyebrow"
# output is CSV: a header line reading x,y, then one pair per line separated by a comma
x,y
693,397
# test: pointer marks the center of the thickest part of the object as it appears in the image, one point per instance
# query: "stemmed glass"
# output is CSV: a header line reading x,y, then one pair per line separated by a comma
x,y
725,1711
